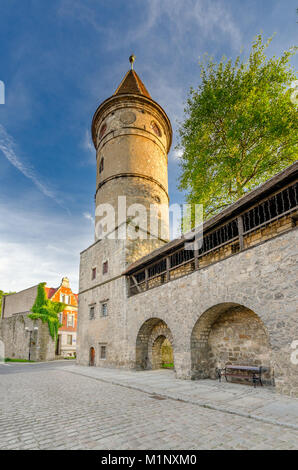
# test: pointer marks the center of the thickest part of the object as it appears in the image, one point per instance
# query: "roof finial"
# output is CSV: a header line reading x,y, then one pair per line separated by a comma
x,y
132,58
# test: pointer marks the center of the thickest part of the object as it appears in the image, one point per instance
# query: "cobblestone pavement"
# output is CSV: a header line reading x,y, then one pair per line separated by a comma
x,y
260,403
48,407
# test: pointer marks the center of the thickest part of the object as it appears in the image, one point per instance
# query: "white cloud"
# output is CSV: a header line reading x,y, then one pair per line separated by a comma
x,y
177,154
88,146
213,19
8,146
36,248
195,18
89,217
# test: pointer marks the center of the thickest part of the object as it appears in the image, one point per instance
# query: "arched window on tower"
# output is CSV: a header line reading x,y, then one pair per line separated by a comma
x,y
101,164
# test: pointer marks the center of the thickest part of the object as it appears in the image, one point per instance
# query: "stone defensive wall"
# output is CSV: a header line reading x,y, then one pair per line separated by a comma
x,y
15,327
232,301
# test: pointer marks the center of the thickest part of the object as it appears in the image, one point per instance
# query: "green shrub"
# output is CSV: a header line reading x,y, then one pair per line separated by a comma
x,y
47,311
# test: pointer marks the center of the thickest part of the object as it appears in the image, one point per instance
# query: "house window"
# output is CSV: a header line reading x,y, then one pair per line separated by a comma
x,y
61,318
93,275
105,267
69,339
104,309
92,312
103,352
70,319
64,298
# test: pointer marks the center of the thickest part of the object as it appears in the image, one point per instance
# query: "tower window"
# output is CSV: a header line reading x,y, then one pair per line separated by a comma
x,y
93,275
102,130
101,165
155,128
105,267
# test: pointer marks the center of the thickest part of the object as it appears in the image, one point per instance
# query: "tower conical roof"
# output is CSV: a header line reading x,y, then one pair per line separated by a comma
x,y
132,83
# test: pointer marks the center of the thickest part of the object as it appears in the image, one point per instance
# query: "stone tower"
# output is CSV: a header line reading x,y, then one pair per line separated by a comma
x,y
132,136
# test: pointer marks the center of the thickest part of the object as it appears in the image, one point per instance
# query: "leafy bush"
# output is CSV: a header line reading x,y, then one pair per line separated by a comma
x,y
47,311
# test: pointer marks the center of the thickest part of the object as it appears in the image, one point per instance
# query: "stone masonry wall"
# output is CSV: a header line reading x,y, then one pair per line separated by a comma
x,y
16,339
262,279
133,138
19,302
238,337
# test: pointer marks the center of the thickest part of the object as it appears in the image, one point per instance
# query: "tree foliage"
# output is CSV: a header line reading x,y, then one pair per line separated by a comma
x,y
240,127
46,310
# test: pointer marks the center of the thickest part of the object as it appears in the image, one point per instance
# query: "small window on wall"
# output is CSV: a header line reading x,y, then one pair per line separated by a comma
x,y
155,128
69,340
64,298
101,165
70,319
103,352
91,312
105,267
102,130
104,309
93,275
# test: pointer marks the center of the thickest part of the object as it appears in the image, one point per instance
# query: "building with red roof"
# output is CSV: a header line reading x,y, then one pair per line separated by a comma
x,y
67,335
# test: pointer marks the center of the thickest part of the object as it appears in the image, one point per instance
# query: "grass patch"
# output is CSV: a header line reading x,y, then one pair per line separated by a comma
x,y
8,359
168,365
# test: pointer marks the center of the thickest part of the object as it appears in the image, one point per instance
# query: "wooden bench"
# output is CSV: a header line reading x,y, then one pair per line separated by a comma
x,y
252,373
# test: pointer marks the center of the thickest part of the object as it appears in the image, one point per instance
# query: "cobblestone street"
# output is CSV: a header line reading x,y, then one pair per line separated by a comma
x,y
49,406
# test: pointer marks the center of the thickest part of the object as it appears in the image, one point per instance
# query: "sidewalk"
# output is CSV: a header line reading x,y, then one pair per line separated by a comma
x,y
261,403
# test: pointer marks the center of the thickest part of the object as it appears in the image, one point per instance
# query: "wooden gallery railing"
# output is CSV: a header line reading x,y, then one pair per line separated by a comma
x,y
264,220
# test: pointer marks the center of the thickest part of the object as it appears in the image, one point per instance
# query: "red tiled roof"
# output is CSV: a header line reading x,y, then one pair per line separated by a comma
x,y
50,291
132,83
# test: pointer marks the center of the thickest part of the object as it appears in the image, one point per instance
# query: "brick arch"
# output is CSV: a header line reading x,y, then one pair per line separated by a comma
x,y
228,333
149,341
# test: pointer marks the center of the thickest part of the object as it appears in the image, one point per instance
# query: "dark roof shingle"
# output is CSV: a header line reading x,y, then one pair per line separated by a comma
x,y
132,83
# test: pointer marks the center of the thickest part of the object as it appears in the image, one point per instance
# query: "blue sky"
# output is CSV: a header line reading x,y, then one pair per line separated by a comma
x,y
59,60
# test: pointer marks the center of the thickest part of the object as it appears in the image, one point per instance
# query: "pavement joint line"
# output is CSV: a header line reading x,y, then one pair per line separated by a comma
x,y
200,404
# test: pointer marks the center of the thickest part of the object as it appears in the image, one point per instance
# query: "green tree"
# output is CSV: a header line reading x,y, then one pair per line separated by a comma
x,y
46,310
2,293
240,127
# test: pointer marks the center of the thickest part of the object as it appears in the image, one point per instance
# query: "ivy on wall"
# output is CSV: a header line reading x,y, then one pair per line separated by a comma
x,y
46,310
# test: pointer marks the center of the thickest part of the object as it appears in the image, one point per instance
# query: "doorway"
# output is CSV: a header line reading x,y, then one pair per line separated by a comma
x,y
92,357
